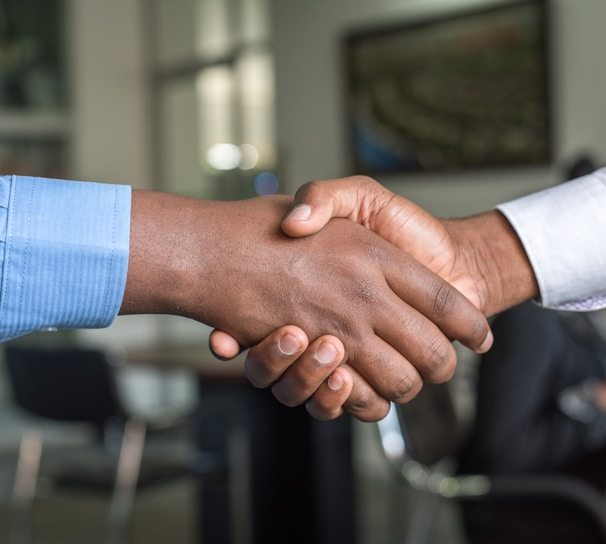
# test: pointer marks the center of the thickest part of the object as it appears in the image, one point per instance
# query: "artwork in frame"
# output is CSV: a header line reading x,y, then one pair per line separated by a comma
x,y
469,90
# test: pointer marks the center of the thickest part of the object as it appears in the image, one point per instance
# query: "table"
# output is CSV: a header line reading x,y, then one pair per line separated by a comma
x,y
295,479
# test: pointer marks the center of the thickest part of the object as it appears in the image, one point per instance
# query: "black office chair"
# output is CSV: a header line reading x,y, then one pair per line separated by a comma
x,y
79,385
421,441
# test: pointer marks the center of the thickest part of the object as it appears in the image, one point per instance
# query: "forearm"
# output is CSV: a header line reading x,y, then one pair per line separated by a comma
x,y
184,257
159,264
491,251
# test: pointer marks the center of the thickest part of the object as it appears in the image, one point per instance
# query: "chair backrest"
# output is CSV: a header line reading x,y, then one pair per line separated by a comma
x,y
419,438
66,384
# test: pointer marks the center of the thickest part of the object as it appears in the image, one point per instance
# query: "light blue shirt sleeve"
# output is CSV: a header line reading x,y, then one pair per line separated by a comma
x,y
63,252
563,231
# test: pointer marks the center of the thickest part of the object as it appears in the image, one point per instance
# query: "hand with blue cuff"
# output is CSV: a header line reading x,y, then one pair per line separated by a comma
x,y
76,254
227,264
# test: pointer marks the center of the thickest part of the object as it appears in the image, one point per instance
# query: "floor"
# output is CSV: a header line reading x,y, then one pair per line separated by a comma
x,y
65,518
167,514
162,514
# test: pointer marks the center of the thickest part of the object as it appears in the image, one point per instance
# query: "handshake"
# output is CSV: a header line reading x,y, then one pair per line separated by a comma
x,y
348,297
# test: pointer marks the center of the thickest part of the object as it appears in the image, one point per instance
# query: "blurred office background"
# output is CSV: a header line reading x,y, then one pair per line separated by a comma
x,y
229,99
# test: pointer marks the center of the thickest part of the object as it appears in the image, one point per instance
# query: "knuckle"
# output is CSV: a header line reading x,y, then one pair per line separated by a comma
x,y
405,388
284,396
307,189
364,293
253,377
366,288
366,405
361,403
478,330
320,412
440,361
368,413
345,329
444,299
376,253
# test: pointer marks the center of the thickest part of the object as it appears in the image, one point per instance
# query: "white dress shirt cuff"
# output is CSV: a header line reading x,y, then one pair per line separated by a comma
x,y
563,231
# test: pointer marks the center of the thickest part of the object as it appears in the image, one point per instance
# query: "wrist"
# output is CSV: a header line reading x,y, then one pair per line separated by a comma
x,y
161,252
493,255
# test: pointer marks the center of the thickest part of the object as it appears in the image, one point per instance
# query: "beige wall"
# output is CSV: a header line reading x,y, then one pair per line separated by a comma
x,y
310,113
110,108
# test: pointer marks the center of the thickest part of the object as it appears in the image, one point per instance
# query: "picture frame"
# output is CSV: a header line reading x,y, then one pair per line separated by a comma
x,y
451,93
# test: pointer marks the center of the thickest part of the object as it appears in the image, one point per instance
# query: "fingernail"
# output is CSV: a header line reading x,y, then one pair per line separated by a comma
x,y
335,382
300,213
288,345
326,353
487,344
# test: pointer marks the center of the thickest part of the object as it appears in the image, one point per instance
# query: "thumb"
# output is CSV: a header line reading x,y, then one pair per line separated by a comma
x,y
312,208
317,202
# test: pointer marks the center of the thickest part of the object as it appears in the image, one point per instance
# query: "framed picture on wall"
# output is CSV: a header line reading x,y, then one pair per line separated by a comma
x,y
463,91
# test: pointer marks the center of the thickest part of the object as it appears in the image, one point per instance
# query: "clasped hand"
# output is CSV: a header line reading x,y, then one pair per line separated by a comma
x,y
368,322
